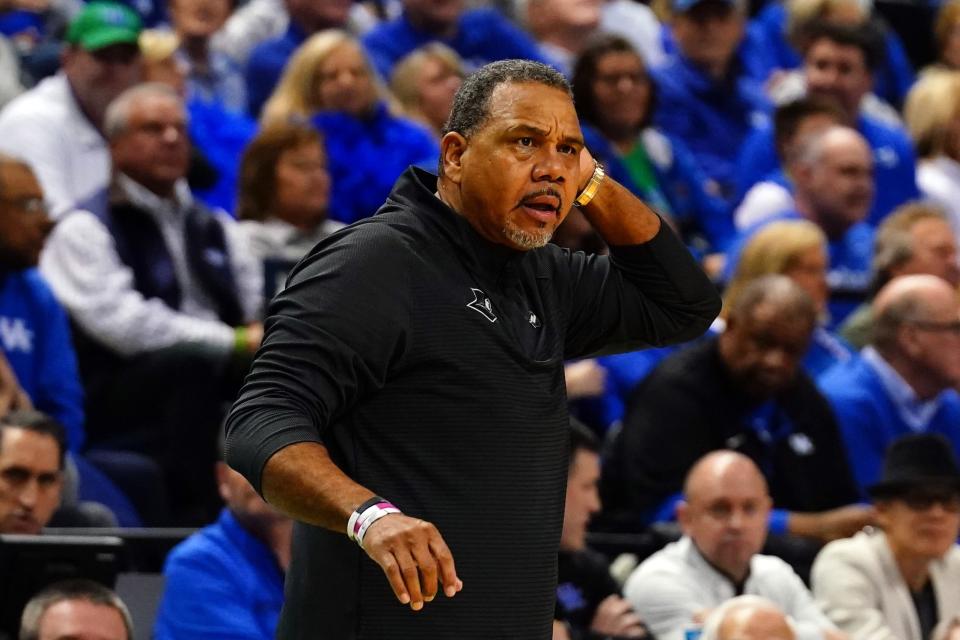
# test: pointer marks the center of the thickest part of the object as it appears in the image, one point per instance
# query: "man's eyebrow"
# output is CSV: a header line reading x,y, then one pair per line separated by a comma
x,y
543,133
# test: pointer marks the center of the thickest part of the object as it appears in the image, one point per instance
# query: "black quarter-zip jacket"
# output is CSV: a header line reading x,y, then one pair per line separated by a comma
x,y
429,362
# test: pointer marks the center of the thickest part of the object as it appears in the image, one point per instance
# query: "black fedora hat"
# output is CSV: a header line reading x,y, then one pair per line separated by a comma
x,y
917,460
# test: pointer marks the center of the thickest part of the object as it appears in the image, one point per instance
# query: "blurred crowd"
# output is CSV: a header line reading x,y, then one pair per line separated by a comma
x,y
165,163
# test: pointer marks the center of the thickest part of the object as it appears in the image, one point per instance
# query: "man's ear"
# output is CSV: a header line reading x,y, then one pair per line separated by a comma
x,y
683,515
452,147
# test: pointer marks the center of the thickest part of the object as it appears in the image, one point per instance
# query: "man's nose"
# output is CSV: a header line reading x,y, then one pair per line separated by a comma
x,y
550,167
171,134
27,497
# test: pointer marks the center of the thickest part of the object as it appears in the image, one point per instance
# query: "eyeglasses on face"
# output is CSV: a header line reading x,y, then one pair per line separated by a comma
x,y
923,500
952,326
32,204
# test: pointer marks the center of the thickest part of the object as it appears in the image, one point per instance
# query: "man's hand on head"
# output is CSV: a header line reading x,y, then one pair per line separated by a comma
x,y
414,556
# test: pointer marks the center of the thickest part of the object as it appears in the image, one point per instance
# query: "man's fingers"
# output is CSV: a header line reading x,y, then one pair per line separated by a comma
x,y
392,569
448,571
411,577
428,571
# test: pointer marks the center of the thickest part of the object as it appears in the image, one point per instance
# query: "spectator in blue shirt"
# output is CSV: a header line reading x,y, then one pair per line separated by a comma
x,y
837,65
834,186
780,25
906,380
616,97
268,60
212,77
705,97
226,581
331,82
479,35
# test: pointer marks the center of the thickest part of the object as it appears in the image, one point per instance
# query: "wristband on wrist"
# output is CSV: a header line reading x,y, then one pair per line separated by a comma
x,y
589,191
240,339
365,515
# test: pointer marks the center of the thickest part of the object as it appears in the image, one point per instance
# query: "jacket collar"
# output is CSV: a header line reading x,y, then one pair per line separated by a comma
x,y
416,190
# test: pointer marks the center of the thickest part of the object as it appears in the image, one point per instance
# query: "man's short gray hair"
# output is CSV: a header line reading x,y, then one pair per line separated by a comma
x,y
711,628
471,105
85,590
117,117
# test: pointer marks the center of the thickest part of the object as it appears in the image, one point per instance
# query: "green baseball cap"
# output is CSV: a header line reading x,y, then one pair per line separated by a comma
x,y
101,24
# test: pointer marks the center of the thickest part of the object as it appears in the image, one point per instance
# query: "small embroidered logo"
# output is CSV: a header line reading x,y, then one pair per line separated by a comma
x,y
534,320
482,305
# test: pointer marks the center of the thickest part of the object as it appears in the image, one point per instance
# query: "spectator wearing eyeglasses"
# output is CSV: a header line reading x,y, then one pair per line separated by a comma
x,y
905,380
900,582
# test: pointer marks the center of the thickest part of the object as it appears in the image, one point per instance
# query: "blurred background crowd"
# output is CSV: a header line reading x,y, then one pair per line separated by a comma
x,y
165,163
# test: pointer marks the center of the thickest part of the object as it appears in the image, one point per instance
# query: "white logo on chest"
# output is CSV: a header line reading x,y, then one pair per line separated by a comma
x,y
482,305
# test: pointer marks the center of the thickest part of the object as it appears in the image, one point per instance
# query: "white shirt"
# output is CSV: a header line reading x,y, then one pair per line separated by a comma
x,y
762,201
674,584
939,180
81,263
46,128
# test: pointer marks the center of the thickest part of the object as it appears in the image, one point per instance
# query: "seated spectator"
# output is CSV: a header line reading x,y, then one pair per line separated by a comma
x,y
836,65
268,59
212,77
257,21
57,126
742,390
637,23
479,35
226,580
330,80
424,83
616,97
724,522
218,136
905,380
560,28
589,605
32,453
35,338
915,239
748,618
792,122
704,96
782,26
902,580
78,609
163,294
932,113
946,34
284,198
833,188
798,250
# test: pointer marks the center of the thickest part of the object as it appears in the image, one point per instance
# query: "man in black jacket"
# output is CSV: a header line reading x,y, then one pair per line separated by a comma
x,y
419,354
743,390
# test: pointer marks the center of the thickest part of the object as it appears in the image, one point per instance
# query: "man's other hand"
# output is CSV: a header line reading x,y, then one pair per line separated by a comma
x,y
615,617
413,556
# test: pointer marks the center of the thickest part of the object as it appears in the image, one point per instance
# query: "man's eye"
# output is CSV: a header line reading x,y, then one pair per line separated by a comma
x,y
566,148
526,141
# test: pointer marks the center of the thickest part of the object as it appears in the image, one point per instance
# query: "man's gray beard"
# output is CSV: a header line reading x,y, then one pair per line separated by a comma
x,y
525,239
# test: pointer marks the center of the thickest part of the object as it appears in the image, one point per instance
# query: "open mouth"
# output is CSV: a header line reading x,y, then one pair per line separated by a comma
x,y
543,207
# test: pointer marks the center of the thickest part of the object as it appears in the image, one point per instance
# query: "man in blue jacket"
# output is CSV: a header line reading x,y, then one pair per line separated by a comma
x,y
905,381
706,97
478,35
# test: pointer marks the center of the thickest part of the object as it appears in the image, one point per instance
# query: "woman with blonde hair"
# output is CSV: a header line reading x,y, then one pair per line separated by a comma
x,y
798,250
424,83
331,82
932,114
